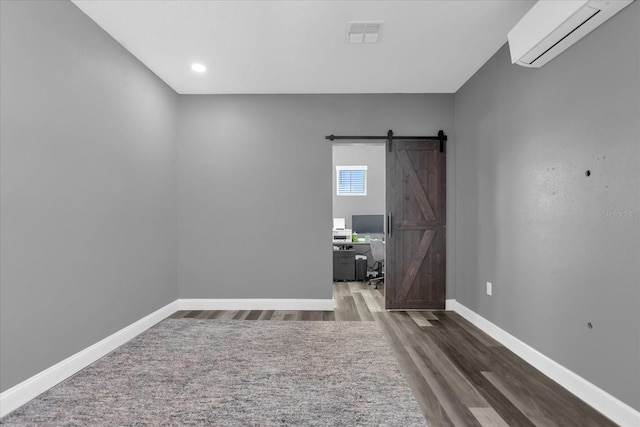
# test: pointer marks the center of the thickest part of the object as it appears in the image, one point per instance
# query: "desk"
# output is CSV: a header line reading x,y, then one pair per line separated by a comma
x,y
345,265
348,243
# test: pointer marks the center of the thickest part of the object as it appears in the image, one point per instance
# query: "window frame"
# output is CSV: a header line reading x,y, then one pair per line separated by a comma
x,y
363,168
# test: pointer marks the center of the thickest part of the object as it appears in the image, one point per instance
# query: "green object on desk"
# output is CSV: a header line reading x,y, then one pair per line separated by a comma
x,y
354,237
367,238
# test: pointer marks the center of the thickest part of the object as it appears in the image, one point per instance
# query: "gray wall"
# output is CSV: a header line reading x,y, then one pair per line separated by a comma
x,y
255,192
88,223
372,156
561,248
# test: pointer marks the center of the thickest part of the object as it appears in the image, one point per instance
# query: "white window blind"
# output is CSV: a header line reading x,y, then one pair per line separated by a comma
x,y
351,180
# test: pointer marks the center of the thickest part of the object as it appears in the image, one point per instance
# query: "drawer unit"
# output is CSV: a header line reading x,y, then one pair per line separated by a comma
x,y
344,265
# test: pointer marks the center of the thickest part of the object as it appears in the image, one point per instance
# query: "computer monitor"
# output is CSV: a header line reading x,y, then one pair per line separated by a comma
x,y
363,224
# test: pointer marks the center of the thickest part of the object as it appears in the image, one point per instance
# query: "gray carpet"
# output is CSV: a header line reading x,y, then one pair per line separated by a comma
x,y
236,373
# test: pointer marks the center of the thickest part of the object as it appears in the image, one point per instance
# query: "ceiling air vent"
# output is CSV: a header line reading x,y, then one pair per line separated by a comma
x,y
363,32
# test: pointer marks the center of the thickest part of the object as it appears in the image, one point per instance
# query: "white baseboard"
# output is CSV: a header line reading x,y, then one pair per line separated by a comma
x,y
450,305
20,394
608,405
256,304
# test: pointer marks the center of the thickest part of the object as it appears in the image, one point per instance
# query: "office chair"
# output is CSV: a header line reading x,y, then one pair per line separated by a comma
x,y
377,252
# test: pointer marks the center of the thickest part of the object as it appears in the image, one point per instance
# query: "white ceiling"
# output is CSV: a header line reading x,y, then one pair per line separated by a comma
x,y
299,46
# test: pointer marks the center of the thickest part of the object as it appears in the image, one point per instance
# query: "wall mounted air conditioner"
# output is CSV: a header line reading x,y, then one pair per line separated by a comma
x,y
551,26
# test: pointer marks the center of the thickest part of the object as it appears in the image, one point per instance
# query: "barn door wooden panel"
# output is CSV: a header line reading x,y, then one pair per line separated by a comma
x,y
416,235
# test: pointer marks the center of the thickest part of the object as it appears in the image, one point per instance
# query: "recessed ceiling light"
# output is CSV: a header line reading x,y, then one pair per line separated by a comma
x,y
198,68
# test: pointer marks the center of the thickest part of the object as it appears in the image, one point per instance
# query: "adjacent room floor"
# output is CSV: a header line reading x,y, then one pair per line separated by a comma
x,y
459,375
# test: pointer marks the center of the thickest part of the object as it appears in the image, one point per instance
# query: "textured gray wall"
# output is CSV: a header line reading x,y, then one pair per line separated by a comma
x,y
562,249
254,179
373,156
88,223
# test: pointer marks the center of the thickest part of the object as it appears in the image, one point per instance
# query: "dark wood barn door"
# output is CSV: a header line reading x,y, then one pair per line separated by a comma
x,y
416,241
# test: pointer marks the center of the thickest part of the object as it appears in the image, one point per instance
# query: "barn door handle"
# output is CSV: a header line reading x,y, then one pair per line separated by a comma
x,y
389,224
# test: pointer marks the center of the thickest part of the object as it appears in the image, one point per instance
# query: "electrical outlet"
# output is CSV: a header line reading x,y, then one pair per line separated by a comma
x,y
489,288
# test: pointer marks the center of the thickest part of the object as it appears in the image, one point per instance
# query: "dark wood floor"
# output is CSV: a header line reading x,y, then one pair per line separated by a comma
x,y
459,375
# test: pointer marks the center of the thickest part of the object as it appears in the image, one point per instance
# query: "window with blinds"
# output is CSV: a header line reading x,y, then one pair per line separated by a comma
x,y
351,180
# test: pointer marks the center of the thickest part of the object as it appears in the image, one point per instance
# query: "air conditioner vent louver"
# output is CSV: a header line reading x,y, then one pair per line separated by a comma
x,y
551,27
363,32
588,13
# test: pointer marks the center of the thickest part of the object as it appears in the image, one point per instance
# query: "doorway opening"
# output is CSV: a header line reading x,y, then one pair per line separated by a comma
x,y
359,206
415,205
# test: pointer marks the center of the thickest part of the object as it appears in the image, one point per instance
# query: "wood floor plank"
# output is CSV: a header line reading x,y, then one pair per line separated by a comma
x,y
374,303
341,290
472,357
315,315
178,314
329,316
468,353
361,307
429,315
472,329
427,399
203,314
305,315
488,417
228,314
535,412
278,315
459,414
443,367
448,382
393,333
266,315
545,399
356,287
545,394
347,311
241,314
419,319
292,315
253,315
